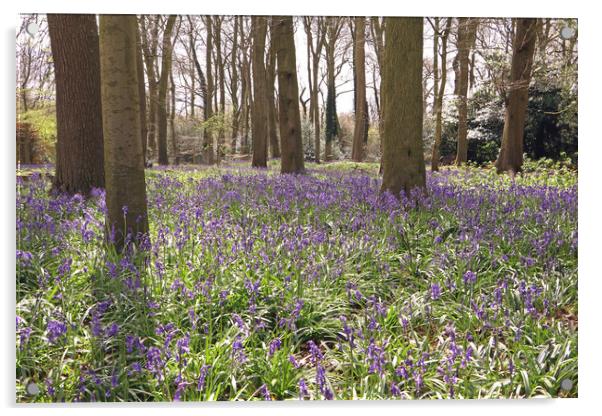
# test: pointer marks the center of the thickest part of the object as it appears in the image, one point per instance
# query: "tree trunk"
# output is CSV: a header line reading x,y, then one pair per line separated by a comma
x,y
510,158
208,142
79,148
272,126
259,120
165,69
234,85
288,91
141,92
150,56
172,119
219,66
439,101
403,158
359,132
466,34
124,163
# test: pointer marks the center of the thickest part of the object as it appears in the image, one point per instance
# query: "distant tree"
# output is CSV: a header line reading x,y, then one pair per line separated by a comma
x,y
403,158
166,60
79,148
467,29
288,91
361,115
124,163
259,110
510,158
438,107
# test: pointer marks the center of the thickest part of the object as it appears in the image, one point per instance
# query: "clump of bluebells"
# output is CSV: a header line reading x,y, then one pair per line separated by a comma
x,y
260,286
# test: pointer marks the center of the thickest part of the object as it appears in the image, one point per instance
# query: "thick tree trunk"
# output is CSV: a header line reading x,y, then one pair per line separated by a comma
x,y
79,148
124,163
259,119
510,158
403,158
288,91
361,116
439,101
272,125
466,33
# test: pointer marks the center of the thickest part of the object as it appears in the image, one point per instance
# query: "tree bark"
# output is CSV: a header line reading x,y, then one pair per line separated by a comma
x,y
403,158
333,25
466,33
439,101
234,85
272,125
150,47
510,158
208,140
288,91
259,120
361,121
141,91
124,163
79,148
162,96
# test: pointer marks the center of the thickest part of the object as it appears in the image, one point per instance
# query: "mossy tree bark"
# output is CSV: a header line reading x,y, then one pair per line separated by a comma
x,y
259,110
403,158
123,159
162,96
435,155
288,91
510,158
361,116
79,148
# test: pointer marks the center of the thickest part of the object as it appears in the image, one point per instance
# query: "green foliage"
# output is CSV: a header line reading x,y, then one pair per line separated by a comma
x,y
43,120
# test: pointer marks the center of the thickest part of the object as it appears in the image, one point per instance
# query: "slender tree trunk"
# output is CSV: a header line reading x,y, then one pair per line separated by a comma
x,y
150,57
466,34
219,64
359,132
141,92
288,91
439,102
436,36
123,159
260,128
162,96
510,158
172,119
79,149
272,126
234,85
403,158
208,145
246,91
